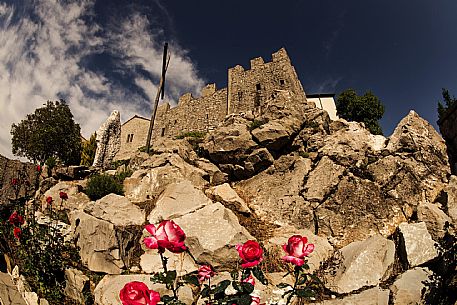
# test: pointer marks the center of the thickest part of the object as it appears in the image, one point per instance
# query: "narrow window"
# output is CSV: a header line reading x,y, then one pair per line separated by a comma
x,y
206,116
131,138
163,132
281,82
240,95
128,138
257,87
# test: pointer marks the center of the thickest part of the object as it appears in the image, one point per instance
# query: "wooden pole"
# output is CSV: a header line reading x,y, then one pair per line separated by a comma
x,y
166,61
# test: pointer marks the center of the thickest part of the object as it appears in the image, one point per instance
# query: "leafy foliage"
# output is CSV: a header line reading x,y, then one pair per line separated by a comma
x,y
48,132
448,102
366,108
99,186
192,134
88,150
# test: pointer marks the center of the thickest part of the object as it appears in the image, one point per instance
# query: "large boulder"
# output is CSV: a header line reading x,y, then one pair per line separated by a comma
x,y
373,296
364,263
434,218
108,140
357,210
407,288
417,243
212,234
104,232
451,204
75,284
76,198
226,195
178,199
274,194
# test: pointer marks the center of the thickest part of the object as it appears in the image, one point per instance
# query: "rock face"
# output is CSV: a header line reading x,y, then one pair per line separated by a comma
x,y
13,169
373,296
419,245
212,233
108,140
228,197
9,295
75,283
365,263
76,198
105,231
408,287
451,192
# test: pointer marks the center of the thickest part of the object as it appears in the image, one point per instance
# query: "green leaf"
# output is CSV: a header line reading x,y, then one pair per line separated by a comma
x,y
259,275
221,287
302,279
205,292
171,276
305,293
244,299
191,279
283,285
247,287
246,273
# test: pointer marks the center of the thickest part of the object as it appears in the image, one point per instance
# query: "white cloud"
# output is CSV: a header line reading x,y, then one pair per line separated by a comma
x,y
42,58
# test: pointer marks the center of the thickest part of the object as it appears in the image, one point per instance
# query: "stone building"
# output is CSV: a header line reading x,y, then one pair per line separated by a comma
x,y
247,90
448,128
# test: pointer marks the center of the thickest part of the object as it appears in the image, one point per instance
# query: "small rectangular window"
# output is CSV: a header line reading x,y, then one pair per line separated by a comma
x,y
281,82
258,87
207,116
131,138
240,95
163,132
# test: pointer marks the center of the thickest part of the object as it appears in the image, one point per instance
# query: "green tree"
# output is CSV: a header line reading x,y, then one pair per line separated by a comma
x,y
88,150
49,132
366,108
448,102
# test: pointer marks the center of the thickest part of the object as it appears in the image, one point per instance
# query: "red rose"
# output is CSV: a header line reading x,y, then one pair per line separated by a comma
x,y
250,253
49,199
137,293
205,272
38,168
297,249
14,181
167,235
17,232
16,219
63,195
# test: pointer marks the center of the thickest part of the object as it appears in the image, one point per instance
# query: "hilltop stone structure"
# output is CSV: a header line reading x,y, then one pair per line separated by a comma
x,y
247,92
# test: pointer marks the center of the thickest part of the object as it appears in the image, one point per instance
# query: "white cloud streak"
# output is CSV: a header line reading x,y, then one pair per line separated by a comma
x,y
42,58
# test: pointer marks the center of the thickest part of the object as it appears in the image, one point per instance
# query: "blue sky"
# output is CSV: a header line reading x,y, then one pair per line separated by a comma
x,y
102,55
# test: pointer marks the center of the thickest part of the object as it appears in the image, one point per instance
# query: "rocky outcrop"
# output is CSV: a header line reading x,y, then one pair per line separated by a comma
x,y
418,243
22,173
108,140
407,289
364,263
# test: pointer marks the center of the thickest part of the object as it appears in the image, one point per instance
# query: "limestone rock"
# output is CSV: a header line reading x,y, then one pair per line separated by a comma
x,y
150,262
177,200
9,294
158,171
365,263
216,176
108,140
274,194
272,135
230,142
97,242
408,287
357,210
117,210
228,197
434,218
322,179
75,282
373,296
107,290
76,198
257,161
322,248
418,244
212,233
73,172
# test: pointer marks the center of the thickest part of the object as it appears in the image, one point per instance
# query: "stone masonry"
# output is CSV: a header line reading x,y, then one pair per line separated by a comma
x,y
247,91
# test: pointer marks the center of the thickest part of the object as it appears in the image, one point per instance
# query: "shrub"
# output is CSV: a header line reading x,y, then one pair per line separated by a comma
x,y
255,124
99,186
192,134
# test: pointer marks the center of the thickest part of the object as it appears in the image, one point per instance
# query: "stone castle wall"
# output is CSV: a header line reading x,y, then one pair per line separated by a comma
x,y
247,90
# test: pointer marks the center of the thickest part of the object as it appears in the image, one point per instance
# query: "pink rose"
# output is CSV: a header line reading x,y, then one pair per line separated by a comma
x,y
255,300
205,272
250,253
249,280
167,235
137,293
297,249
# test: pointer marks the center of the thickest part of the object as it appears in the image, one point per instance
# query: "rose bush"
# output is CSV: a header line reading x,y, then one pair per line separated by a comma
x,y
15,219
250,253
296,249
167,235
137,293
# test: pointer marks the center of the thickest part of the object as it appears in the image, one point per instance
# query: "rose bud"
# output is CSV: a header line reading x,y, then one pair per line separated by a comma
x,y
205,272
